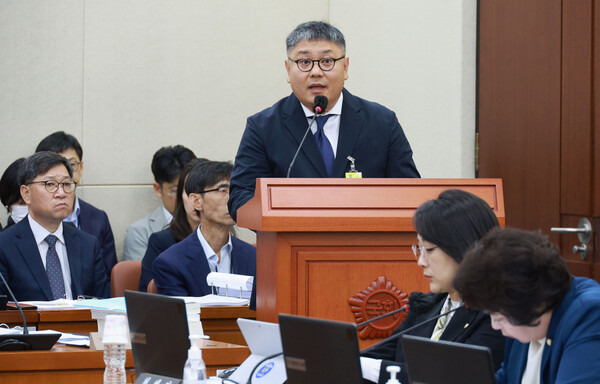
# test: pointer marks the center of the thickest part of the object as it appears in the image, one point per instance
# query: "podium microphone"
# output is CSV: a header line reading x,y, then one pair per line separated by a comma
x,y
397,335
319,107
12,296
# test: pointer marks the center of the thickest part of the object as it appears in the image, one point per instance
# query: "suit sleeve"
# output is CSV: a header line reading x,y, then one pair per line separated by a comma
x,y
135,243
151,254
101,287
169,281
107,241
251,162
400,161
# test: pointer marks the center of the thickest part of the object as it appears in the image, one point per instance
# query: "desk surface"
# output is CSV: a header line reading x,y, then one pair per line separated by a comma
x,y
65,365
218,322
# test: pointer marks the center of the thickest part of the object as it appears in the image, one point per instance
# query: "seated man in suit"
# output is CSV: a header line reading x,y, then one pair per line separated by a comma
x,y
181,270
351,127
40,257
84,215
167,164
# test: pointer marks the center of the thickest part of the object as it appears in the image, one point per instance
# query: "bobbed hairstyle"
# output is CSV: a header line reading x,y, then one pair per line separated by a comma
x,y
10,189
454,221
516,273
180,227
40,163
168,162
315,30
59,142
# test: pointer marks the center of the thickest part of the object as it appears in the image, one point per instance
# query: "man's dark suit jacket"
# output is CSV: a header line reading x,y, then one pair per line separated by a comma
x,y
157,244
21,264
466,326
369,132
95,222
181,270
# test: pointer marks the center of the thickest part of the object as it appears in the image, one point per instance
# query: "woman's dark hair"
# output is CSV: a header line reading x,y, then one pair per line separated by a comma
x,y
517,273
454,221
10,188
180,227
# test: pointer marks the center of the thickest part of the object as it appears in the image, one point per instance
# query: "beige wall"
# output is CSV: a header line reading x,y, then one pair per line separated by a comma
x,y
129,76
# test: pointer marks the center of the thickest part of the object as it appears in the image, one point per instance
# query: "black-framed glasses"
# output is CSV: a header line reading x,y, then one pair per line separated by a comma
x,y
53,185
75,165
326,64
223,190
422,251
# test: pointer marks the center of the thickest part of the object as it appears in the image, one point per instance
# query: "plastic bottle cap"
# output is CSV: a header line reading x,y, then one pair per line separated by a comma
x,y
195,353
393,370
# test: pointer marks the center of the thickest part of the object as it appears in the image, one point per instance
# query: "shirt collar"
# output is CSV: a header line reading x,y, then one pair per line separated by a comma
x,y
167,214
336,110
208,251
74,216
40,233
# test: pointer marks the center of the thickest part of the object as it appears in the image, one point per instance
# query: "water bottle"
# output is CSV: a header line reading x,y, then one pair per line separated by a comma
x,y
114,358
194,371
114,339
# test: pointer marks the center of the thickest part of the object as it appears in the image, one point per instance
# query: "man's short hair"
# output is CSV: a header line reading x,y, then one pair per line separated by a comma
x,y
206,175
454,221
59,142
315,30
39,163
10,189
516,273
168,162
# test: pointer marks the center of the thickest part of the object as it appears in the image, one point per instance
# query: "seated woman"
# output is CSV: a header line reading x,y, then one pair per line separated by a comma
x,y
447,227
185,221
551,319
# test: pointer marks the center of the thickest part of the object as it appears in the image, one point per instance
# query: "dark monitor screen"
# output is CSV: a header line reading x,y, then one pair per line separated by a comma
x,y
159,333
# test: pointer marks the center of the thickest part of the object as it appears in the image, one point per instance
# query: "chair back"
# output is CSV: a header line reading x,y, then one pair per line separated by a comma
x,y
125,275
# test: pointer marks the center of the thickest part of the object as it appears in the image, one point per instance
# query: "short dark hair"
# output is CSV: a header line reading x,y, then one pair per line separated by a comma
x,y
40,163
206,175
180,227
454,221
315,30
168,162
59,142
10,189
516,273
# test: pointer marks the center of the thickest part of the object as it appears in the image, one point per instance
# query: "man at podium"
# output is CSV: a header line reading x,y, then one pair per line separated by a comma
x,y
348,132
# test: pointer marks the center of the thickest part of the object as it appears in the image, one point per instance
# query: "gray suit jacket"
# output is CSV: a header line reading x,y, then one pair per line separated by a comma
x,y
138,233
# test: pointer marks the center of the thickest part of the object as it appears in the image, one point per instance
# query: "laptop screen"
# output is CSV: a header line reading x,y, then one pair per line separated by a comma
x,y
159,333
444,362
319,351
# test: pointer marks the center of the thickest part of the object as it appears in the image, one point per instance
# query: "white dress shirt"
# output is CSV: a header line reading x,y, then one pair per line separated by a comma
x,y
40,233
332,125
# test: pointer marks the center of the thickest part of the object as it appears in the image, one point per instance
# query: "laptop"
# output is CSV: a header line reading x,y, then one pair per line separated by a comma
x,y
159,333
319,351
445,362
264,341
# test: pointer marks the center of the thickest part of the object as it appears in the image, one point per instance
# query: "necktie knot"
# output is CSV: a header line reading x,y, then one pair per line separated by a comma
x,y
321,120
51,240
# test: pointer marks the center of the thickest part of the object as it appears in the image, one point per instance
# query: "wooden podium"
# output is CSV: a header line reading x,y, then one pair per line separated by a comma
x,y
326,247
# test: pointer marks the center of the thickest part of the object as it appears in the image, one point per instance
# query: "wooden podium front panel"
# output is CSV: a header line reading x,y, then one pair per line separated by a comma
x,y
326,269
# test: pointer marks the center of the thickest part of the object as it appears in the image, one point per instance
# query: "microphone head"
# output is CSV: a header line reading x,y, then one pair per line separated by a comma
x,y
320,104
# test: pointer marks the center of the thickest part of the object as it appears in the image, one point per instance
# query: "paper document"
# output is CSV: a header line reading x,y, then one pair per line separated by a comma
x,y
232,285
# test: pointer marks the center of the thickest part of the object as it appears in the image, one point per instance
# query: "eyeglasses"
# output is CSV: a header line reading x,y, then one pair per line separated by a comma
x,y
422,251
306,65
75,165
53,185
222,191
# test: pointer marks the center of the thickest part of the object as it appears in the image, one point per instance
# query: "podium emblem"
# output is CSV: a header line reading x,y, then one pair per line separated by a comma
x,y
379,298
